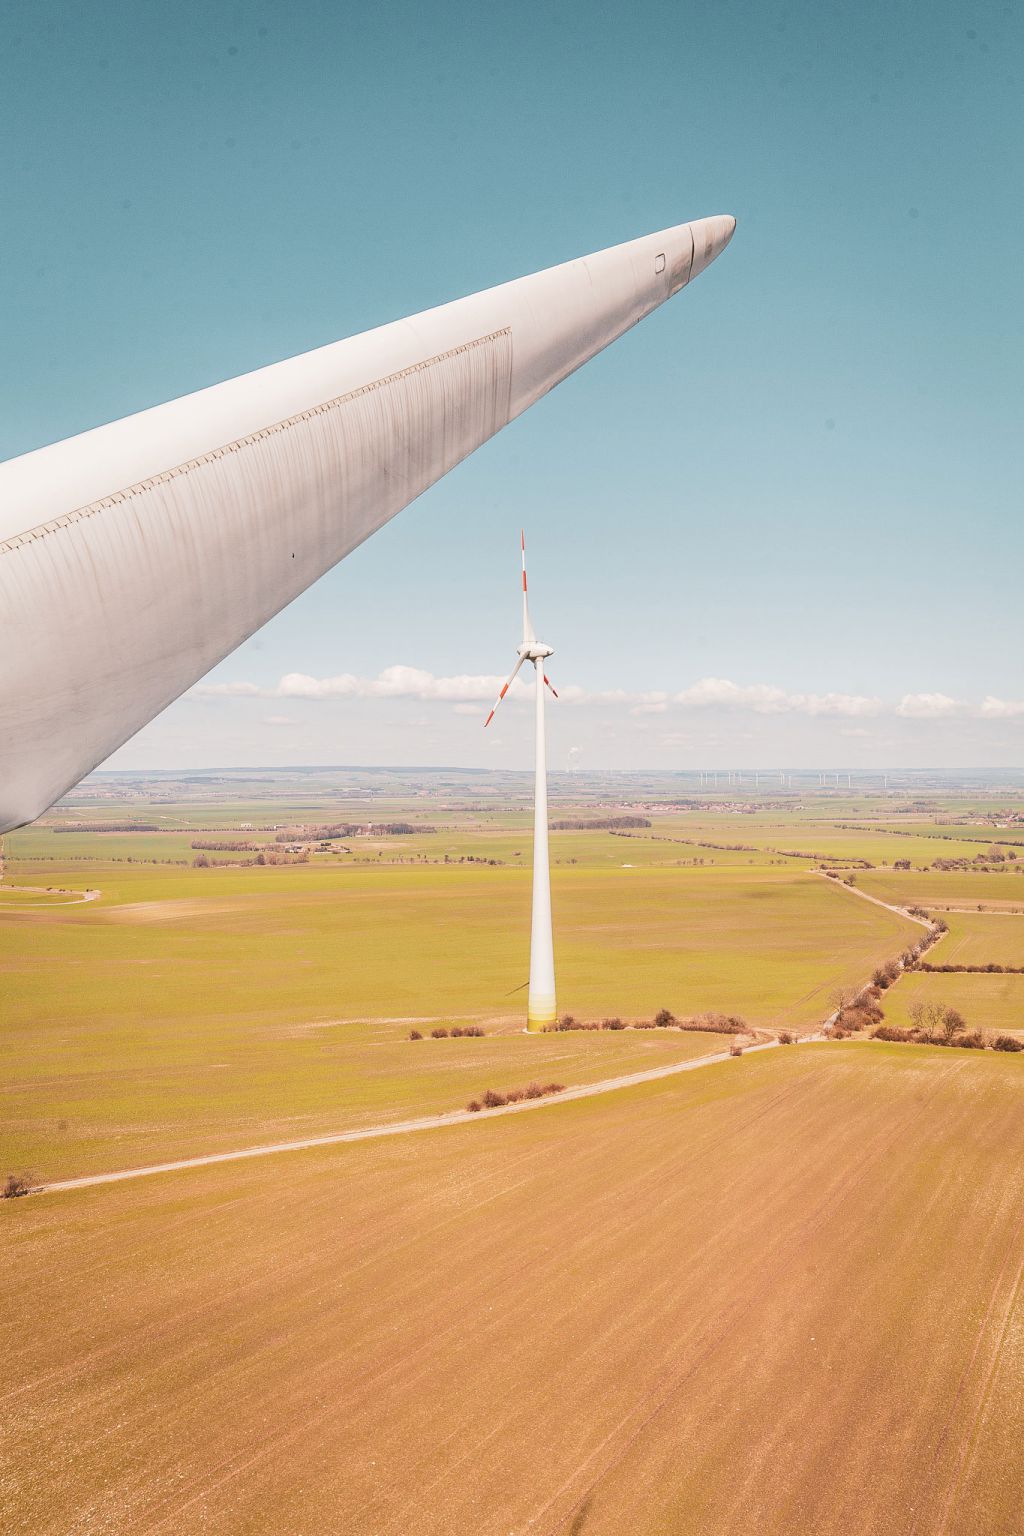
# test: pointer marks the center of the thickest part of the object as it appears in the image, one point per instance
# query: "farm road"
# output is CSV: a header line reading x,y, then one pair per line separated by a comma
x,y
406,1127
76,899
877,901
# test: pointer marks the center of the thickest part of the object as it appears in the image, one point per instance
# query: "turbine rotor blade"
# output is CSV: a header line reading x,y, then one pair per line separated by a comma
x,y
505,690
551,685
528,635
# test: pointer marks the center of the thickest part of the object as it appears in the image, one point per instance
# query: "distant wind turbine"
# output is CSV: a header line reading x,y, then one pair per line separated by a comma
x,y
540,1009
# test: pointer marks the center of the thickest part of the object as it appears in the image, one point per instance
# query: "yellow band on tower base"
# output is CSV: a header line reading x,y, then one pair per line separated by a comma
x,y
540,1015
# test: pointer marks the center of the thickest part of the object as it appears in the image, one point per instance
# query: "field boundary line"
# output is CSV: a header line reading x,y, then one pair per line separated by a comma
x,y
406,1127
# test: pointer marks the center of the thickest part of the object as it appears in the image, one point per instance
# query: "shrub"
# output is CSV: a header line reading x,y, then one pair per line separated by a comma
x,y
414,1034
567,1022
663,1019
858,1015
439,1034
713,1023
474,1106
474,1031
612,1024
735,1049
15,1185
785,1037
953,1023
1007,1043
494,1100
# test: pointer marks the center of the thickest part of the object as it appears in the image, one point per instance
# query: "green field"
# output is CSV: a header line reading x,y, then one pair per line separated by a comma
x,y
947,890
991,1003
982,938
191,1009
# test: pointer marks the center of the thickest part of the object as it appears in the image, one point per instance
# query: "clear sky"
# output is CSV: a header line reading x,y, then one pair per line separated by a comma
x,y
780,522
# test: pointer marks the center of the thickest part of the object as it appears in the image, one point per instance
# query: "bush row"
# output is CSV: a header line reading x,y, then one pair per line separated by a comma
x,y
967,1041
109,826
494,1100
980,970
601,824
457,1032
707,1023
862,1013
910,959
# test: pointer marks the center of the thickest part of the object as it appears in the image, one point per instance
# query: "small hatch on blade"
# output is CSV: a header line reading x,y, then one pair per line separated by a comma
x,y
659,262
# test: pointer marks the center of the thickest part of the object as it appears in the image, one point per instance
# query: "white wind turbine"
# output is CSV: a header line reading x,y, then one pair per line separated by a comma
x,y
541,1006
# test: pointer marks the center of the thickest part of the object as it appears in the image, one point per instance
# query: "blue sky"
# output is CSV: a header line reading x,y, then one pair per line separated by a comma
x,y
802,476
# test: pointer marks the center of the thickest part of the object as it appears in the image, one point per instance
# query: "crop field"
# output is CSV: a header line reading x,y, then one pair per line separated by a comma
x,y
104,1098
947,890
986,1002
779,1295
192,1009
773,1295
982,938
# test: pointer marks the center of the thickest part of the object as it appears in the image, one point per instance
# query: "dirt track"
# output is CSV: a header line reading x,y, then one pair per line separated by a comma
x,y
404,1127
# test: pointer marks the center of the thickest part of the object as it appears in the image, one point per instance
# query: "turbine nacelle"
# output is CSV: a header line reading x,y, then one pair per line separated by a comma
x,y
535,650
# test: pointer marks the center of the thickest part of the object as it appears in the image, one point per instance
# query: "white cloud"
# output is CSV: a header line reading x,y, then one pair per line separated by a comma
x,y
1000,709
393,683
278,720
927,706
766,700
467,692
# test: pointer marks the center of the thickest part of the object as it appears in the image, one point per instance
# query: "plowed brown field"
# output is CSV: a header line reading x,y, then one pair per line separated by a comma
x,y
781,1295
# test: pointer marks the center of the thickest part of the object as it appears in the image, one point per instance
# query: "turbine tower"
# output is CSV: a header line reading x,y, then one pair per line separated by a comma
x,y
540,1009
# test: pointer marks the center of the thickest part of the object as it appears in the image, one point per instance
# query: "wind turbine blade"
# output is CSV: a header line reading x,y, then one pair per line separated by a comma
x,y
528,635
136,556
505,690
551,685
